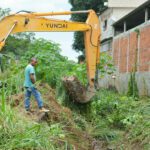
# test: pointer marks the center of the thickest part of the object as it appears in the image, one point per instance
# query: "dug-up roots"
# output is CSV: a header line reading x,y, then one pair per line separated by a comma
x,y
76,91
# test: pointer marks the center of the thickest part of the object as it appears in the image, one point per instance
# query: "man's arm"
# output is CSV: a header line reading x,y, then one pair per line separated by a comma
x,y
32,78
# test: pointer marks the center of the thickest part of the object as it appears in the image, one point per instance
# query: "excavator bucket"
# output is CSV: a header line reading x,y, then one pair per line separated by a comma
x,y
76,91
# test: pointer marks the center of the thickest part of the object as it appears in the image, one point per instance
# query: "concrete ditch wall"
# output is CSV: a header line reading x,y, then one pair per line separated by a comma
x,y
120,83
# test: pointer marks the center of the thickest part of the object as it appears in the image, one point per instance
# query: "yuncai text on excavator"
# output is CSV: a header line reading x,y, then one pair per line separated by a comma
x,y
25,21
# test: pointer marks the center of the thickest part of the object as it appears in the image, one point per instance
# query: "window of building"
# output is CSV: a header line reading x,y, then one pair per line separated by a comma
x,y
105,25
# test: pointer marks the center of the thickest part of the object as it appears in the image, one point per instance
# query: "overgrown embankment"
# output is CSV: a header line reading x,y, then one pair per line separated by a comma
x,y
121,121
58,131
63,131
110,121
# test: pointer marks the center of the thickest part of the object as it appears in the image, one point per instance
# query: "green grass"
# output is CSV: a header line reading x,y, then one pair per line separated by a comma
x,y
123,121
17,132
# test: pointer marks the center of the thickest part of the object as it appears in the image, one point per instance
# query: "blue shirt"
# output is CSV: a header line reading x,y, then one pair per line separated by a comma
x,y
28,71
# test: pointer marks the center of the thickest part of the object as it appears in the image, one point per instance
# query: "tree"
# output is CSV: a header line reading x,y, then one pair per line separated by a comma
x,y
96,5
18,44
4,12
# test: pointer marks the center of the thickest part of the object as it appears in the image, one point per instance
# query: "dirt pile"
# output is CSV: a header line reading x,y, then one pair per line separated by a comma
x,y
48,96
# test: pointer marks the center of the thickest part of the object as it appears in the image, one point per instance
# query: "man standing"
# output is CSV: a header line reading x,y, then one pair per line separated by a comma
x,y
29,84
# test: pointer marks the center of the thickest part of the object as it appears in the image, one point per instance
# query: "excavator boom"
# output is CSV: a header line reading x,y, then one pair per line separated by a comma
x,y
38,22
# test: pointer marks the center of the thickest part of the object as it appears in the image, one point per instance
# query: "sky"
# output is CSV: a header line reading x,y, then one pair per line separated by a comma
x,y
65,39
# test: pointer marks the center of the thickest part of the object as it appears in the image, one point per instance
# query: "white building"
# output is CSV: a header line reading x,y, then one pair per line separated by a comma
x,y
115,9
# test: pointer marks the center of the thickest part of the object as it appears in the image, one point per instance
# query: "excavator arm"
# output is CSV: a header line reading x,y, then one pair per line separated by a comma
x,y
39,22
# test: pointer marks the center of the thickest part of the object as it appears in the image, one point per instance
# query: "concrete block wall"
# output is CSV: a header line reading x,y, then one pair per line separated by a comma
x,y
144,51
128,48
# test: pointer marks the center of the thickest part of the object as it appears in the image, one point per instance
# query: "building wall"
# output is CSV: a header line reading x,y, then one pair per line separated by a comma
x,y
118,13
116,10
133,48
129,48
111,15
125,3
107,31
106,46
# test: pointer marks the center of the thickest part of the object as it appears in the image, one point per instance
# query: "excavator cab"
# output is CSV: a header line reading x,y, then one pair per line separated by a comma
x,y
37,22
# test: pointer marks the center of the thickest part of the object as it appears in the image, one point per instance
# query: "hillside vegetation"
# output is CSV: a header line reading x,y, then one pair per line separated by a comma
x,y
109,121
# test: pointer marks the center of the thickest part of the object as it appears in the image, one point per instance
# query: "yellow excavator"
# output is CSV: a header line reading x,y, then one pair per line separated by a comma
x,y
25,21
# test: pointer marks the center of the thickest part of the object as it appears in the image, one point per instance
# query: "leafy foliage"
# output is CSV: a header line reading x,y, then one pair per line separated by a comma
x,y
109,108
51,65
18,44
4,12
113,114
132,86
106,65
